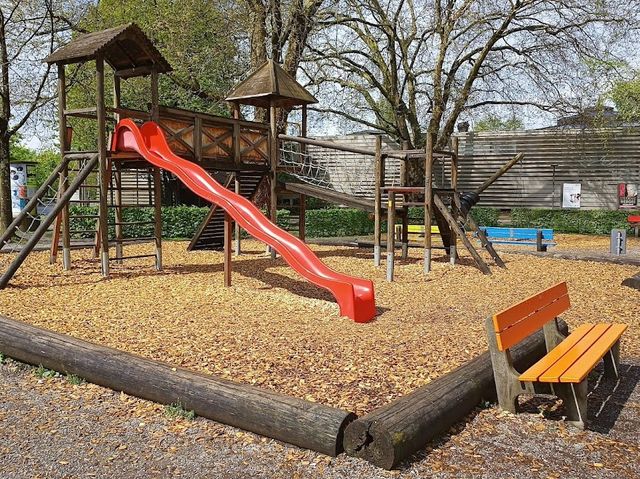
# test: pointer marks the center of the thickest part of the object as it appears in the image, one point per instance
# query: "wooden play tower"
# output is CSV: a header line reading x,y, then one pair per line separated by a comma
x,y
239,154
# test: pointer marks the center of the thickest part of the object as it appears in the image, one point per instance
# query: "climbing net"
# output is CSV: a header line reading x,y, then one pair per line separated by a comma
x,y
341,171
23,232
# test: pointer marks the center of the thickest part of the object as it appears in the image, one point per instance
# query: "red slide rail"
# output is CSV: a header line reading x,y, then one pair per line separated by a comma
x,y
355,296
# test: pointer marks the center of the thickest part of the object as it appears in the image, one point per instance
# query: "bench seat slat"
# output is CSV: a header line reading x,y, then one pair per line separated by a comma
x,y
553,374
588,360
538,369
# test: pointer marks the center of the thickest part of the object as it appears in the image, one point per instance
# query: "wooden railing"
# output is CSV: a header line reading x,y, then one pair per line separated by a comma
x,y
213,141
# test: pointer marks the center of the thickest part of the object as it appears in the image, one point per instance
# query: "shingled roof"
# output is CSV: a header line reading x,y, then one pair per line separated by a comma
x,y
125,48
271,85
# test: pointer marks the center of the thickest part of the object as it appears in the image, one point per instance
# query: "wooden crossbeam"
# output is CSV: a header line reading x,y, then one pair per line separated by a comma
x,y
453,224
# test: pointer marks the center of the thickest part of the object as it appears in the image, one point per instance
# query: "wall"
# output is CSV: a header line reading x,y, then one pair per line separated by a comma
x,y
598,159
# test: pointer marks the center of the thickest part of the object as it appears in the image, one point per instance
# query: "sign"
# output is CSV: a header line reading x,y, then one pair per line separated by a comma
x,y
571,194
627,195
18,186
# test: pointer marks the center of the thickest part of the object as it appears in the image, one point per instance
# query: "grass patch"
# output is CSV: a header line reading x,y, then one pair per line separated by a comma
x,y
75,379
44,373
177,410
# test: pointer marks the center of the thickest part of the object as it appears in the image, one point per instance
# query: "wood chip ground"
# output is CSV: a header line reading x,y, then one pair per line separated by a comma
x,y
275,330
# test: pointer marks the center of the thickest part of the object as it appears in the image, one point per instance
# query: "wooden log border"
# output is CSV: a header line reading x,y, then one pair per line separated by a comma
x,y
384,437
292,420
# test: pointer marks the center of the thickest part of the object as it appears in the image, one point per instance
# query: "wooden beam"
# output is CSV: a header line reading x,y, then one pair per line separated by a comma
x,y
428,198
302,217
455,227
377,200
103,239
228,229
453,244
273,196
391,224
262,411
506,167
157,216
64,174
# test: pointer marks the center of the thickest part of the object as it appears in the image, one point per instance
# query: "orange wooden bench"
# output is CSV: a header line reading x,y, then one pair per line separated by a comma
x,y
563,371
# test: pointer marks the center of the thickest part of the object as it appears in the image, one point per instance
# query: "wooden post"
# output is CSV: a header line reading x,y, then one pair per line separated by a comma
x,y
377,230
273,197
155,95
64,174
228,228
405,208
157,175
302,221
391,222
102,162
428,198
157,216
116,170
237,159
454,187
117,167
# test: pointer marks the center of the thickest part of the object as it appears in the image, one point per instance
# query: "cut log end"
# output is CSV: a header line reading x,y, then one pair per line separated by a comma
x,y
363,440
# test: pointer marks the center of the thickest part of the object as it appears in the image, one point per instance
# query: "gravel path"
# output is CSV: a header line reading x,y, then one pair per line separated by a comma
x,y
50,428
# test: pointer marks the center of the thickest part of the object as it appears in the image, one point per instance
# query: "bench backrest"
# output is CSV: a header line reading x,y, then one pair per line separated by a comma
x,y
525,318
517,233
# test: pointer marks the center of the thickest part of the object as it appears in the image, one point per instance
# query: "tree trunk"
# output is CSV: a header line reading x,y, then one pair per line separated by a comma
x,y
6,214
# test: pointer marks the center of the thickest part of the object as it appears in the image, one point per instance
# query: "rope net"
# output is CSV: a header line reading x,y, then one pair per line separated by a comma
x,y
347,173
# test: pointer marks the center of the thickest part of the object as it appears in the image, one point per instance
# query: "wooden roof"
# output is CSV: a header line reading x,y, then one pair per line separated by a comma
x,y
271,85
126,48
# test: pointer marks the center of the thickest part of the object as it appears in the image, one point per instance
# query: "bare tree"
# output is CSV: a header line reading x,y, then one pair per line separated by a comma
x,y
407,67
29,30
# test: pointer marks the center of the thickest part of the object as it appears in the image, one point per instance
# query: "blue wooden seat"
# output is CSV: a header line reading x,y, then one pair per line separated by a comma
x,y
520,236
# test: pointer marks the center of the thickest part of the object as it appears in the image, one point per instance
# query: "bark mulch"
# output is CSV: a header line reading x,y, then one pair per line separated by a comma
x,y
277,331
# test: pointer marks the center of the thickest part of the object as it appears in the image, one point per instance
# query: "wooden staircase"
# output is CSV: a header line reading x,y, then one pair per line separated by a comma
x,y
210,234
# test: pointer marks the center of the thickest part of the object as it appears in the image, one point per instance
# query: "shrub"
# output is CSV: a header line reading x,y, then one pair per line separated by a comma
x,y
338,222
571,221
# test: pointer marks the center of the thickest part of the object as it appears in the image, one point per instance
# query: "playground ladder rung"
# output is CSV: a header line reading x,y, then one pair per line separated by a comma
x,y
136,206
136,256
84,216
130,188
85,201
127,223
133,240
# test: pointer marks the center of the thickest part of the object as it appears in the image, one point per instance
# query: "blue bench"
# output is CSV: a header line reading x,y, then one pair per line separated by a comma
x,y
542,238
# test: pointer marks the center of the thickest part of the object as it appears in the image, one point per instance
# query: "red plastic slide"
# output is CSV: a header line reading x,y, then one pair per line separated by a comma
x,y
355,296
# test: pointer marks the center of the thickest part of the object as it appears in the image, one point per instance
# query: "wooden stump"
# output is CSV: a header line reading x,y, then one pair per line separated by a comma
x,y
296,421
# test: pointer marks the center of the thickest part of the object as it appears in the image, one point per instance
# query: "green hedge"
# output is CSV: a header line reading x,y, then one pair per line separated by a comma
x,y
483,216
338,222
178,222
183,221
571,221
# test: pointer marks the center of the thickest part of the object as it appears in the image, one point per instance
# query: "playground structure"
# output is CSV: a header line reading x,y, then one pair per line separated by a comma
x,y
205,152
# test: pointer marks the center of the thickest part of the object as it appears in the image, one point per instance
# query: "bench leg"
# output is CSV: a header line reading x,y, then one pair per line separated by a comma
x,y
508,386
612,361
574,398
